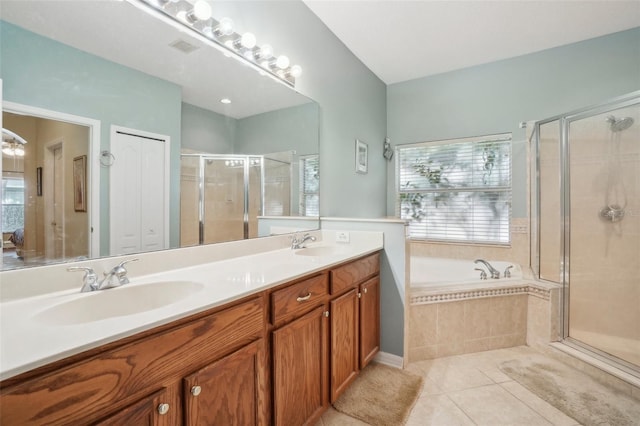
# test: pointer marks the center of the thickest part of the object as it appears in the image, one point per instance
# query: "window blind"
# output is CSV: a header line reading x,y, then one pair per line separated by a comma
x,y
456,190
309,188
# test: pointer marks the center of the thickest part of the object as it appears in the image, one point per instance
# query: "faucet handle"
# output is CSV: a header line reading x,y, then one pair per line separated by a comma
x,y
124,262
507,273
483,273
90,279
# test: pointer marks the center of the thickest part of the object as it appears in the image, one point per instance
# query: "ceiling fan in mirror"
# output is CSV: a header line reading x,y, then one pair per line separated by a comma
x,y
220,33
12,143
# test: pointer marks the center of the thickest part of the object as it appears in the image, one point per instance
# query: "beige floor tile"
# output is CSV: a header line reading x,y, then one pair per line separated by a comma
x,y
430,387
496,375
546,410
492,405
437,410
455,377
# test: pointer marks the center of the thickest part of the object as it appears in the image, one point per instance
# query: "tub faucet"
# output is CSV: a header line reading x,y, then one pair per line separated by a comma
x,y
495,274
298,243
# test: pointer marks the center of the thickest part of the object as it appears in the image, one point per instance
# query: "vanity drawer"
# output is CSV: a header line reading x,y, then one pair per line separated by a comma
x,y
93,388
299,298
349,275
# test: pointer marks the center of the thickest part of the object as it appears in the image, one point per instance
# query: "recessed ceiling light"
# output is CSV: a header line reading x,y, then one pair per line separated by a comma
x,y
225,100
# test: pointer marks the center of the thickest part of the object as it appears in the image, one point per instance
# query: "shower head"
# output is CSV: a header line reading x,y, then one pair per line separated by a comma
x,y
619,124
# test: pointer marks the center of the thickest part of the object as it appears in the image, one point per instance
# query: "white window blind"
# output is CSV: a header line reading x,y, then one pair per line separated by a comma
x,y
456,190
310,185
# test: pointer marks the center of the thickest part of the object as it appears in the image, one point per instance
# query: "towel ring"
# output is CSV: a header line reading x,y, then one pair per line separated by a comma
x,y
106,159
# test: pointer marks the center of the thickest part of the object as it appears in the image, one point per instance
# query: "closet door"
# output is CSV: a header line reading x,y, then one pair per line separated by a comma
x,y
138,193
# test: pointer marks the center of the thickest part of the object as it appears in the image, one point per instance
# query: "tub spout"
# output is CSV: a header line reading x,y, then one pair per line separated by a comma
x,y
495,274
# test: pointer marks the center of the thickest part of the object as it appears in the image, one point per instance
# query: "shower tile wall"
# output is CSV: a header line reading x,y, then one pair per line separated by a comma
x,y
604,256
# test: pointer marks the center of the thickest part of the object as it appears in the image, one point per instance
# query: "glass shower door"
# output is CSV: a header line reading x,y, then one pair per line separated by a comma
x,y
604,231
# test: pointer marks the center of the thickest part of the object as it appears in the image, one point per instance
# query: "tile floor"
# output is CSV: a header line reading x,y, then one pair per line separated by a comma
x,y
471,390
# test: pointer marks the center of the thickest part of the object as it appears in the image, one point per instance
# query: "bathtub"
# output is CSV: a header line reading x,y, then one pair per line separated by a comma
x,y
429,272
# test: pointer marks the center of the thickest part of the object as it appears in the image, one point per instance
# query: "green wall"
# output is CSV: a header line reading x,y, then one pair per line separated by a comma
x,y
495,97
41,72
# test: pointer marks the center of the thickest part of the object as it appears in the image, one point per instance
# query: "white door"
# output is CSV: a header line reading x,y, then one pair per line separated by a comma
x,y
54,201
139,196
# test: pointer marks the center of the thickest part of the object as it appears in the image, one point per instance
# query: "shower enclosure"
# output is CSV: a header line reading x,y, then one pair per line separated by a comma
x,y
221,196
587,168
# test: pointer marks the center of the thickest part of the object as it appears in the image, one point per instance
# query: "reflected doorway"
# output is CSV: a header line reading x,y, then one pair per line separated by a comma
x,y
52,228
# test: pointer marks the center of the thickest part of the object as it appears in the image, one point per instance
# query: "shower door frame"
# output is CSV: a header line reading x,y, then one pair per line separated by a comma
x,y
201,187
565,120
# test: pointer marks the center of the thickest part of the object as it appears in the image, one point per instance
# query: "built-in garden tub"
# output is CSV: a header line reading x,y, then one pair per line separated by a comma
x,y
453,311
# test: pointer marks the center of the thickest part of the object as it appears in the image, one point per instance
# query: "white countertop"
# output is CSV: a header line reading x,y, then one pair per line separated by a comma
x,y
27,341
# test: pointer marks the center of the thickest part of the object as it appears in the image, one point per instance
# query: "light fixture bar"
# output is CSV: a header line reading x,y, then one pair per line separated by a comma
x,y
197,18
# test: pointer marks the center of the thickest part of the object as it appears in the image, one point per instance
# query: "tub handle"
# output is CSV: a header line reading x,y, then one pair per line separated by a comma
x,y
507,273
483,273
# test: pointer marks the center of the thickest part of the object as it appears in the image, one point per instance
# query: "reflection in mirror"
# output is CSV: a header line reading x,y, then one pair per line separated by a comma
x,y
167,164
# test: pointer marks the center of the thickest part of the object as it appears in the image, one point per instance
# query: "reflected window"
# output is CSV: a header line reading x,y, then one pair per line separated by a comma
x,y
12,202
310,185
456,190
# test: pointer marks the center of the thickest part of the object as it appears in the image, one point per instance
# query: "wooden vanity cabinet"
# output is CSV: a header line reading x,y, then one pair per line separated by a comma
x,y
142,381
355,320
299,351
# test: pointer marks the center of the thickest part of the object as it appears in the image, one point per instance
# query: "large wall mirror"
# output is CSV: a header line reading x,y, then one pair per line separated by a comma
x,y
123,134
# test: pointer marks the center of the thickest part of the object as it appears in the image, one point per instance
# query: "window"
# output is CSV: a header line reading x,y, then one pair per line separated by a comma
x,y
309,187
456,190
12,202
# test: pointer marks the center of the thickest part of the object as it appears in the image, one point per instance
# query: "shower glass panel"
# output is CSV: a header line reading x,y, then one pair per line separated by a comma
x,y
603,204
224,199
189,201
550,199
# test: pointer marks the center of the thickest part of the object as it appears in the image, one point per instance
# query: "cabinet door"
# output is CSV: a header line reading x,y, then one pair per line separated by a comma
x,y
300,369
344,342
369,320
161,408
229,391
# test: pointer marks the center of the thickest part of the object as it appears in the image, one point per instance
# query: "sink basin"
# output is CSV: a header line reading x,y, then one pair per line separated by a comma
x,y
117,302
319,251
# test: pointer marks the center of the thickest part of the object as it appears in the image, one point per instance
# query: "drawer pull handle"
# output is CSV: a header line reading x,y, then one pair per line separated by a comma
x,y
195,391
304,298
163,409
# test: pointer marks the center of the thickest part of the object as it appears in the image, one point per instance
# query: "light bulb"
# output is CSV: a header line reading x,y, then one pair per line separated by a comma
x,y
201,11
7,151
295,71
19,152
225,100
264,64
266,51
282,62
182,15
225,27
248,40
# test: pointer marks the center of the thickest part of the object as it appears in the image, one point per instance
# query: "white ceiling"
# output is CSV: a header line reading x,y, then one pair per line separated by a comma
x,y
403,40
122,33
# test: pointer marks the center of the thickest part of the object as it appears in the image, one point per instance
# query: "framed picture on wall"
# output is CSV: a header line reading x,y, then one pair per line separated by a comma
x,y
362,157
80,183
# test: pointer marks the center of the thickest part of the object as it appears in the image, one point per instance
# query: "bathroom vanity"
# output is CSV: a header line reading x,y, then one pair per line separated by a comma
x,y
278,355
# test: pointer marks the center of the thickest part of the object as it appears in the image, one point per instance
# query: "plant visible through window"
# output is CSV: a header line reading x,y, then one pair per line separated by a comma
x,y
456,190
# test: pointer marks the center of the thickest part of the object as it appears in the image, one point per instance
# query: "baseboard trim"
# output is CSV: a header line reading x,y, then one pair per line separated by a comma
x,y
389,359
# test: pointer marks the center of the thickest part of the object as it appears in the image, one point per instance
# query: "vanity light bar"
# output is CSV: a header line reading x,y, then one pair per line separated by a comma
x,y
197,17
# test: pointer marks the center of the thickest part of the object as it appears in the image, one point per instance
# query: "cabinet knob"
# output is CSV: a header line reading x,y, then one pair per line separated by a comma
x,y
195,391
163,409
365,290
326,314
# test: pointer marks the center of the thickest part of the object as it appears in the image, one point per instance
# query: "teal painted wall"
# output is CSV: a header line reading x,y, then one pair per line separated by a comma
x,y
41,72
495,97
207,131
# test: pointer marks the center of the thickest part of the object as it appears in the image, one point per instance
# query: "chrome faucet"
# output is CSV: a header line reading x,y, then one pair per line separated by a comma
x,y
114,278
298,243
495,274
